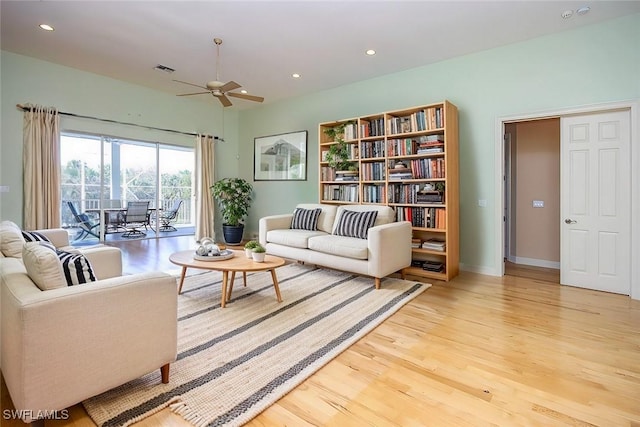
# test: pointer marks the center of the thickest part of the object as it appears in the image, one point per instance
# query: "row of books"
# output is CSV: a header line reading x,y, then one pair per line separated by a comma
x,y
340,192
413,194
429,168
374,171
423,217
373,127
430,118
374,193
371,149
418,145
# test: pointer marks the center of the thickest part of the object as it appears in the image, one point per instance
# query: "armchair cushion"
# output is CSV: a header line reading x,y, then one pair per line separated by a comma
x,y
43,266
34,236
11,240
76,267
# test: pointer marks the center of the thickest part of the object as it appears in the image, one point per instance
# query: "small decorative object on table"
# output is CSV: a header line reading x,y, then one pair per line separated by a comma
x,y
209,251
259,252
249,247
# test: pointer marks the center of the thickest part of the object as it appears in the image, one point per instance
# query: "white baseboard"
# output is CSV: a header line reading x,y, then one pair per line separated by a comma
x,y
536,262
480,270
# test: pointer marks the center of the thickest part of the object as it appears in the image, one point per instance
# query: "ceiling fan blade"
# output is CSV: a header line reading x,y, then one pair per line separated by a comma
x,y
191,84
224,100
196,93
229,86
245,96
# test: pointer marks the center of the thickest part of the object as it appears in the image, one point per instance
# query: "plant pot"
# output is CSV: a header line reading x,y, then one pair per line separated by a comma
x,y
248,253
259,256
232,233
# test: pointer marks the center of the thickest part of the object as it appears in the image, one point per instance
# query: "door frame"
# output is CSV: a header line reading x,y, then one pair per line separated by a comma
x,y
634,107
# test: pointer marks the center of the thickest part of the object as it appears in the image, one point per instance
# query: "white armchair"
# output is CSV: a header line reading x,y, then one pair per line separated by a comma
x,y
64,345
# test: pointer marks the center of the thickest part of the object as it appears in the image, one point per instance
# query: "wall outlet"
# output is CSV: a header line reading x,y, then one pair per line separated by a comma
x,y
538,203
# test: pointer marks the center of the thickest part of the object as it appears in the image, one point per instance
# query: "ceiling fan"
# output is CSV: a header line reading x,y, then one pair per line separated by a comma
x,y
219,89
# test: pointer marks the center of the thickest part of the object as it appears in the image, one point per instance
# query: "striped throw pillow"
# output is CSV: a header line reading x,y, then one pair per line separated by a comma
x,y
305,219
76,268
34,236
355,224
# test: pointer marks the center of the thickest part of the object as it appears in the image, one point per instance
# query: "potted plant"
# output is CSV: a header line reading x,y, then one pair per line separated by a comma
x,y
234,198
337,156
249,247
259,253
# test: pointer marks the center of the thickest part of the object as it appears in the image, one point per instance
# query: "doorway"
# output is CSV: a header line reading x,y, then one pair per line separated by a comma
x,y
507,245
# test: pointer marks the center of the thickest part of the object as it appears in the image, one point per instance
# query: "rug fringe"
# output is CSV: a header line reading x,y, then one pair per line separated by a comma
x,y
180,407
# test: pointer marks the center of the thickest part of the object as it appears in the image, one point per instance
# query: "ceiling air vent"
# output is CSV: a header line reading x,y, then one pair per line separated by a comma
x,y
164,68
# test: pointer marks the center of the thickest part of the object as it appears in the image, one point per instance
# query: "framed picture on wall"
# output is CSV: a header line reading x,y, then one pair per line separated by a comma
x,y
281,157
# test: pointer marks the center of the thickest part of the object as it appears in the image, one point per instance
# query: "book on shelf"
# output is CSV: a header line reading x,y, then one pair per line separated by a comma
x,y
433,266
434,245
429,197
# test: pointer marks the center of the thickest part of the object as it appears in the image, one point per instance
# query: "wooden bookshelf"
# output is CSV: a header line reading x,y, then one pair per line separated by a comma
x,y
406,159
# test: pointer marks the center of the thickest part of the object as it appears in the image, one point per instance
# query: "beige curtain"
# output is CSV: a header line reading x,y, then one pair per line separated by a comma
x,y
41,168
204,180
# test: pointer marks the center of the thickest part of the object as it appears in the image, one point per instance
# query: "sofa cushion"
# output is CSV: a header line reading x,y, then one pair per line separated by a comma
x,y
76,268
355,224
327,216
348,247
305,219
34,236
293,238
43,266
386,214
11,240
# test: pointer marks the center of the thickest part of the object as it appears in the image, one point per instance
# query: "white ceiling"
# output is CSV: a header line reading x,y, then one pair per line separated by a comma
x,y
264,42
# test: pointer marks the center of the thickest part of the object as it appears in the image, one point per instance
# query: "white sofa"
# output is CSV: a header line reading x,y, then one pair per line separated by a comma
x,y
64,345
387,248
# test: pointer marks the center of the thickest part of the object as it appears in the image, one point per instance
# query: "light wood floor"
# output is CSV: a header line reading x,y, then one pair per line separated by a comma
x,y
478,350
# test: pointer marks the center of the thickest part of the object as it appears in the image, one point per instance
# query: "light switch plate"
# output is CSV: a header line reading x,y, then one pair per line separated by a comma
x,y
538,203
482,203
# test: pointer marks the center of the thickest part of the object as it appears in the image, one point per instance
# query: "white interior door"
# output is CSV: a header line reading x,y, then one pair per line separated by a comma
x,y
596,201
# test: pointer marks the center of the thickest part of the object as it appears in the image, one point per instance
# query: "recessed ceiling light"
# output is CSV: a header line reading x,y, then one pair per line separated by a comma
x,y
46,27
370,52
295,75
583,10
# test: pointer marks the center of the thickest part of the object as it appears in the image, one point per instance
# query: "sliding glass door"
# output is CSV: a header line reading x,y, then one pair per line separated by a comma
x,y
102,175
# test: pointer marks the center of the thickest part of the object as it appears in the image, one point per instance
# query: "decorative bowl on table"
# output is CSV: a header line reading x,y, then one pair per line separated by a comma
x,y
209,251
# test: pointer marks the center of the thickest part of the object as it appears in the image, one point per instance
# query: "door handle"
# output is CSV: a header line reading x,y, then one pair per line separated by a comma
x,y
569,221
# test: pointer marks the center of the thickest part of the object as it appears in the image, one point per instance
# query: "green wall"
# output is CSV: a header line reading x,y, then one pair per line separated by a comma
x,y
27,80
595,64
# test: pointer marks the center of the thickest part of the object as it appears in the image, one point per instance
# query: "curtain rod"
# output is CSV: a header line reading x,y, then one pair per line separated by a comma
x,y
216,138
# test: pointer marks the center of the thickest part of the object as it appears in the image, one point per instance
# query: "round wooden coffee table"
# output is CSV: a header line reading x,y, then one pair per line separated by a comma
x,y
239,263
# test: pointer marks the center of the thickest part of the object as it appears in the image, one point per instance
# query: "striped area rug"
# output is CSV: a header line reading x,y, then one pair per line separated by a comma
x,y
235,362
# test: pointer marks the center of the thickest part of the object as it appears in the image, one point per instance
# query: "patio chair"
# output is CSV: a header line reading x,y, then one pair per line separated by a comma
x,y
135,217
168,216
86,225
